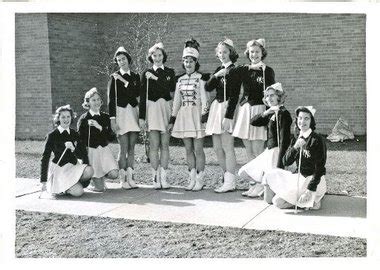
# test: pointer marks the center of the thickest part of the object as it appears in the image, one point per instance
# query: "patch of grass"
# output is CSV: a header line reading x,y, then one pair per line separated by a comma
x,y
46,235
346,165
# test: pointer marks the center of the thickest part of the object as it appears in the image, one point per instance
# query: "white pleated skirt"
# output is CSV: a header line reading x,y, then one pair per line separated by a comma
x,y
127,119
188,123
101,160
158,114
263,163
243,128
60,179
284,184
215,118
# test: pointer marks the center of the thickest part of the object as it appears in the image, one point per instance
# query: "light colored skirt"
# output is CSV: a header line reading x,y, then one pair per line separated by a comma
x,y
263,163
243,128
284,184
215,118
188,123
101,160
158,115
127,119
60,179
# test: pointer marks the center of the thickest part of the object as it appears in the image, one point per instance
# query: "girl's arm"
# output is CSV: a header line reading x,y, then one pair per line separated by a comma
x,y
80,149
291,154
111,97
318,148
176,104
212,83
260,120
46,157
142,106
82,128
269,77
233,82
284,130
204,97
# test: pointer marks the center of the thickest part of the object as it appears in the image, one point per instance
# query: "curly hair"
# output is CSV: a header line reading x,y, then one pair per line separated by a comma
x,y
59,110
129,58
280,94
150,59
89,94
264,52
312,122
233,54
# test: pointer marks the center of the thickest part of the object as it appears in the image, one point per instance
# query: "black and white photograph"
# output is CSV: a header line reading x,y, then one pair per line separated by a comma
x,y
169,130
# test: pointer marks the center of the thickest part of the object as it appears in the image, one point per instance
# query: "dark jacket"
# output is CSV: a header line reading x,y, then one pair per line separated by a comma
x,y
284,123
97,137
310,165
55,142
160,88
253,84
232,88
124,95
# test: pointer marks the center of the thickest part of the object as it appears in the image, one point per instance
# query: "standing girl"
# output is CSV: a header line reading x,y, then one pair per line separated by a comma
x,y
123,93
220,122
94,129
190,103
306,189
255,77
157,84
65,174
278,121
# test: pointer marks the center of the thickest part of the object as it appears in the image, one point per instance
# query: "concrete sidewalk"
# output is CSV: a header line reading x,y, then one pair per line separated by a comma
x,y
339,215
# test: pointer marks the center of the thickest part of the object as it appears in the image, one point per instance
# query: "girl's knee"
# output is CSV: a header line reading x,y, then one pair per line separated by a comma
x,y
76,190
87,173
113,174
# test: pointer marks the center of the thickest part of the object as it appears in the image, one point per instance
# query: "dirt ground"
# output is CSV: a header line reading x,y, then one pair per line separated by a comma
x,y
54,235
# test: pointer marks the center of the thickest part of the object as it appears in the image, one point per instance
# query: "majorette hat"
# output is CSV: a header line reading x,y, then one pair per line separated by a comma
x,y
191,48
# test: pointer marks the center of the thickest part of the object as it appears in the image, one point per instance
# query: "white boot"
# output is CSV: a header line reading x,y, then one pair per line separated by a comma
x,y
255,191
130,180
200,182
163,176
122,176
192,177
229,183
156,178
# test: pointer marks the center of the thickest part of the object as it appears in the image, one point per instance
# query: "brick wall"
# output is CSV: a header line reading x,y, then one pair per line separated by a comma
x,y
74,49
33,95
319,58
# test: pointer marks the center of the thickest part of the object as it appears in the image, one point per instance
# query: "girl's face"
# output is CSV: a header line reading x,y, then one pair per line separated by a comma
x,y
189,64
303,121
271,97
157,57
255,54
223,54
95,102
122,61
64,119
